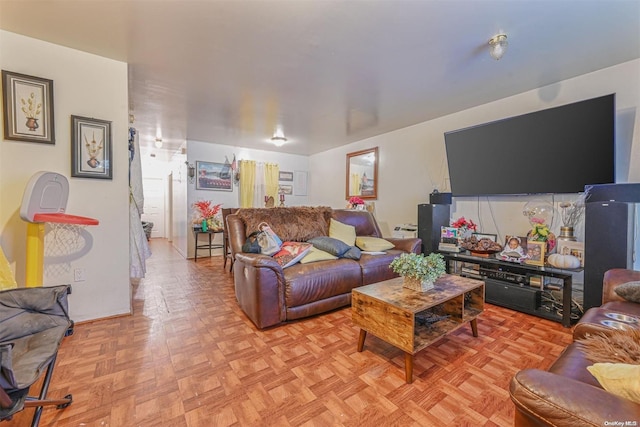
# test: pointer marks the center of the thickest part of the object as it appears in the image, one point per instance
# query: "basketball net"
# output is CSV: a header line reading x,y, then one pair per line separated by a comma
x,y
61,242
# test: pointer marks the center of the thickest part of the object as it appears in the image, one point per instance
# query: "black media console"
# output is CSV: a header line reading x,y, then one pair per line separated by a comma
x,y
520,287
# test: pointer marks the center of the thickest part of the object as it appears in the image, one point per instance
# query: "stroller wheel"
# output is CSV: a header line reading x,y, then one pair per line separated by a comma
x,y
64,405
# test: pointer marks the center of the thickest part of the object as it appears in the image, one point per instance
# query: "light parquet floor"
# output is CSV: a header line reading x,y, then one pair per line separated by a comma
x,y
189,357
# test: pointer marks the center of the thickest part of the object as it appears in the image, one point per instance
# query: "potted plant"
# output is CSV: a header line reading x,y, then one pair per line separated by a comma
x,y
419,271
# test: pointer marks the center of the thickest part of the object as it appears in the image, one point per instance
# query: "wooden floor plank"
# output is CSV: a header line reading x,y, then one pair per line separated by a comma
x,y
188,357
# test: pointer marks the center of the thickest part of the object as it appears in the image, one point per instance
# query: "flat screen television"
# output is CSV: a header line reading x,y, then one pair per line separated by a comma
x,y
557,150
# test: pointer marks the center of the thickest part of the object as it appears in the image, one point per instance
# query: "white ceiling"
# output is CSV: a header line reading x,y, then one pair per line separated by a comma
x,y
328,72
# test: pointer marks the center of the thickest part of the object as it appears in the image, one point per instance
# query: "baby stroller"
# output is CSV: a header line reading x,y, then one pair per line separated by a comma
x,y
33,322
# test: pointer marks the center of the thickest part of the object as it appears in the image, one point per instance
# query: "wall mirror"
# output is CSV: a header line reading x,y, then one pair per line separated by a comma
x,y
362,174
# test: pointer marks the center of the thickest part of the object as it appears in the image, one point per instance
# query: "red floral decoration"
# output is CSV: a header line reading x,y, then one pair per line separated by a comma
x,y
205,209
356,201
465,224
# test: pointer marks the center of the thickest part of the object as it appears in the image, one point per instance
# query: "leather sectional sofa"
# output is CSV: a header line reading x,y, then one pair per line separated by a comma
x,y
567,394
270,295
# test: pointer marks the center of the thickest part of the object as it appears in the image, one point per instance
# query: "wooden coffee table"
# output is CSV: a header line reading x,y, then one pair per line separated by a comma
x,y
402,317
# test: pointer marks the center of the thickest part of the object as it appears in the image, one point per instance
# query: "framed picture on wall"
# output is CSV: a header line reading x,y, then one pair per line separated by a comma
x,y
285,189
91,148
28,108
285,176
214,176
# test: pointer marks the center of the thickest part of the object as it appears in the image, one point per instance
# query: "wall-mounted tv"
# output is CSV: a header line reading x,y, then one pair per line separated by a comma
x,y
557,150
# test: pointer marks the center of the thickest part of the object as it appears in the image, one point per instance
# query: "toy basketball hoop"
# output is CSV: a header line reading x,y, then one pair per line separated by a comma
x,y
44,202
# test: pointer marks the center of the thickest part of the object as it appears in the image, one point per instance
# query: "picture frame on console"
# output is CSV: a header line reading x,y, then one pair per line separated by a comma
x,y
567,247
536,253
514,248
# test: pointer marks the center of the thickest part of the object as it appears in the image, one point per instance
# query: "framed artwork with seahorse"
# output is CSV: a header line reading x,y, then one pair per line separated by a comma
x,y
28,108
90,148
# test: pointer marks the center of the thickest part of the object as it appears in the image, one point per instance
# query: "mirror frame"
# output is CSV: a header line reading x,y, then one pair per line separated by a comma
x,y
362,153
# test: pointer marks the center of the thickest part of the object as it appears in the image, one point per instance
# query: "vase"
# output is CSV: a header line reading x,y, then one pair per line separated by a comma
x,y
204,225
566,233
32,123
416,284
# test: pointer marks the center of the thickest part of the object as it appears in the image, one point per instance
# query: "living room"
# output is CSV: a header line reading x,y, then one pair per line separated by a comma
x,y
412,164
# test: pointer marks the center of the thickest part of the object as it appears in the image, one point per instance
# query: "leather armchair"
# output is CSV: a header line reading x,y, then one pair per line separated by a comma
x,y
567,394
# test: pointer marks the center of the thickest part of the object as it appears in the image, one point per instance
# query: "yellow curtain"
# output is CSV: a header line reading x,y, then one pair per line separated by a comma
x,y
247,182
271,177
355,184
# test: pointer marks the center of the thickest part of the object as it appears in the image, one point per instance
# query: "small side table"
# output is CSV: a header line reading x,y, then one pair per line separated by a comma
x,y
210,245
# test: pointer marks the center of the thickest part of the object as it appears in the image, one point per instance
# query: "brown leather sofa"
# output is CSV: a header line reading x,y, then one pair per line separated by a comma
x,y
270,295
567,394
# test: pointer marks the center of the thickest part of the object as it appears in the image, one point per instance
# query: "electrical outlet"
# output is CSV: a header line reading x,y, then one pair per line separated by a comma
x,y
79,275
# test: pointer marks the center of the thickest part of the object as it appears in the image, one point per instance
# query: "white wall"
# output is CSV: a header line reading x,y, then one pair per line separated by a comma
x,y
413,159
89,86
208,152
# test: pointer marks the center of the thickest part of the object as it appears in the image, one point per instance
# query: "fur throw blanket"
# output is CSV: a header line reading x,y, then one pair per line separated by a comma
x,y
293,224
618,346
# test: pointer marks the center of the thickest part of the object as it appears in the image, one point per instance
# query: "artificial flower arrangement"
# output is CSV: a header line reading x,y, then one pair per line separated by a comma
x,y
465,227
355,202
207,212
541,233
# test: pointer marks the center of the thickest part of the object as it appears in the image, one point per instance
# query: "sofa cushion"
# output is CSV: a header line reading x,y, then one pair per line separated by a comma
x,y
618,378
293,224
373,244
329,244
316,254
306,283
629,291
343,232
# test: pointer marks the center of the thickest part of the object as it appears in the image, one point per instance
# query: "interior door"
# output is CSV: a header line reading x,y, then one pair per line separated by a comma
x,y
153,189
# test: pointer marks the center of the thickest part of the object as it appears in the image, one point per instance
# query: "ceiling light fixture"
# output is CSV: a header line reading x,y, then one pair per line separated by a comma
x,y
158,142
278,138
498,46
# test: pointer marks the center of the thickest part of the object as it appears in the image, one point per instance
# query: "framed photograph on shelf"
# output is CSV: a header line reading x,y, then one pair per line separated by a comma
x,y
535,253
28,108
449,235
567,247
285,176
214,176
91,148
514,249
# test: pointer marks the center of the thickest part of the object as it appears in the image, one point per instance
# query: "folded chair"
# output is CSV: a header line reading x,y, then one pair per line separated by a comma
x,y
33,322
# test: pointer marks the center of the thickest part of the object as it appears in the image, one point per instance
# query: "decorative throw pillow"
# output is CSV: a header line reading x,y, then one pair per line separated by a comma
x,y
373,244
291,252
343,232
629,291
316,255
620,379
353,253
329,244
